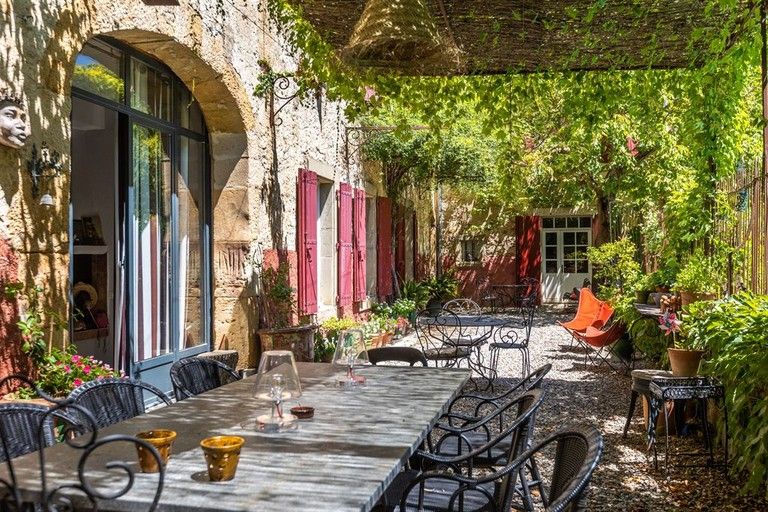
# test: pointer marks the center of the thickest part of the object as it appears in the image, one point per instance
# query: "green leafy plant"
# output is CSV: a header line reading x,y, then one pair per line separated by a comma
x,y
277,298
615,267
416,291
701,274
403,308
327,336
34,320
443,287
382,309
732,331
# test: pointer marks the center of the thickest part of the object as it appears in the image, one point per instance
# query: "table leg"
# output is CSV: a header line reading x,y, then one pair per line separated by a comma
x,y
632,402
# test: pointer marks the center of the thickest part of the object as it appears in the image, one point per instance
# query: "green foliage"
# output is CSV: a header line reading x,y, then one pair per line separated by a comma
x,y
443,287
733,333
277,299
416,291
34,321
99,80
401,308
614,266
701,274
328,334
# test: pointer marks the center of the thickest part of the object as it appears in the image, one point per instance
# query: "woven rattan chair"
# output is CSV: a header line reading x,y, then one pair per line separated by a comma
x,y
114,400
408,355
577,453
195,375
20,428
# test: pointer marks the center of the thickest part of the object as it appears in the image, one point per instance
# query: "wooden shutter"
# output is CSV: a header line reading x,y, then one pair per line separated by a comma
x,y
384,247
359,243
344,246
307,241
415,247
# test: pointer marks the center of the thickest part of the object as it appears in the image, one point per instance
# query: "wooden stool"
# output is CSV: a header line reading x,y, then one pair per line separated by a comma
x,y
641,381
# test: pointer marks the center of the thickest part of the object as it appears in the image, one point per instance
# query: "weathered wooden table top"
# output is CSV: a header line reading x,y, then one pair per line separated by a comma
x,y
342,459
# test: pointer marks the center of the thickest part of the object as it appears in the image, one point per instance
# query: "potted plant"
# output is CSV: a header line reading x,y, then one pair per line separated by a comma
x,y
701,278
278,316
327,337
685,354
415,291
442,288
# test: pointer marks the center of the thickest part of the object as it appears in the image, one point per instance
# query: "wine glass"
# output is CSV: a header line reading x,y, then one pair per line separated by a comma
x,y
352,353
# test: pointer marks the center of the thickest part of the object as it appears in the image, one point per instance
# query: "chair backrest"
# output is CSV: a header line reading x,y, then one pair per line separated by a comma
x,y
114,400
436,329
603,315
589,305
463,307
20,429
577,453
195,375
408,355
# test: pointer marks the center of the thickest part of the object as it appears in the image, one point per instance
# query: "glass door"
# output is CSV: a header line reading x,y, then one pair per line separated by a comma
x,y
565,265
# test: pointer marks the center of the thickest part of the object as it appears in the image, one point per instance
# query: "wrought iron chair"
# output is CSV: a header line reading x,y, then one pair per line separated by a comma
x,y
513,335
577,453
436,332
113,400
17,428
463,307
195,375
408,355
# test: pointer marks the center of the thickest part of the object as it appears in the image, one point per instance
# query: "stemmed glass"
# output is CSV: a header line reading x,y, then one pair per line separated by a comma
x,y
352,353
277,381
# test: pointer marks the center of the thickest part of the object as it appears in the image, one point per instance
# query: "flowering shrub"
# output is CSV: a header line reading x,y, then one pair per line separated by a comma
x,y
64,370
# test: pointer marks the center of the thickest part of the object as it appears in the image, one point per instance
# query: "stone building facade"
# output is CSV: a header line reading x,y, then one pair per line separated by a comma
x,y
215,51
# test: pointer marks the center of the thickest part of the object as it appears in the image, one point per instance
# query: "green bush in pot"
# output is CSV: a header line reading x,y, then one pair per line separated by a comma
x,y
701,278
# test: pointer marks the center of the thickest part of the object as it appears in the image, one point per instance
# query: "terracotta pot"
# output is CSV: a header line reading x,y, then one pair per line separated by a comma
x,y
689,298
386,338
685,363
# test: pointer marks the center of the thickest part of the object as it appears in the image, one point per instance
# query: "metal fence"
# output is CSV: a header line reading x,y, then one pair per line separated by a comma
x,y
745,227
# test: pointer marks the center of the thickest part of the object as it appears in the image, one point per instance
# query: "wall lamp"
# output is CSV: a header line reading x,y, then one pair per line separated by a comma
x,y
43,167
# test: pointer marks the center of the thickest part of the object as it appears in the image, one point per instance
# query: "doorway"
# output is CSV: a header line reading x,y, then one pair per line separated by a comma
x,y
140,204
565,266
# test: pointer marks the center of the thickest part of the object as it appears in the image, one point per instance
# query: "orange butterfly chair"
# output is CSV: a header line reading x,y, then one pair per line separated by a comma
x,y
597,341
592,312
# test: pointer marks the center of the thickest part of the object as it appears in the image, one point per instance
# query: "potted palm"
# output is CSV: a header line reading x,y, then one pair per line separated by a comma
x,y
280,329
442,288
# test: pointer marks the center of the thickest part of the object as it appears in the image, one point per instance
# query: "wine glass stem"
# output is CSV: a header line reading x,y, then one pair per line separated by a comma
x,y
276,412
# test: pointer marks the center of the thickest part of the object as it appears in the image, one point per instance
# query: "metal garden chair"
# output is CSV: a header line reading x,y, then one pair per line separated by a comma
x,y
436,333
463,307
27,428
408,355
577,453
195,375
113,400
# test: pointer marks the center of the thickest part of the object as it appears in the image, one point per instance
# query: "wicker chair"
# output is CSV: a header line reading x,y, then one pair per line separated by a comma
x,y
20,428
408,355
436,333
195,375
577,453
114,400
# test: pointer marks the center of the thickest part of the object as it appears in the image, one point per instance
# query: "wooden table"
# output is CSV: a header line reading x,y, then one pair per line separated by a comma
x,y
342,459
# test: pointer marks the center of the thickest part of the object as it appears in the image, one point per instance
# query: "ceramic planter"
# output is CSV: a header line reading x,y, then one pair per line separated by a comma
x,y
684,363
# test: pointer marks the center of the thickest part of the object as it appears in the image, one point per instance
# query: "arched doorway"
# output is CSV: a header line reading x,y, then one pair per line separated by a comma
x,y
140,213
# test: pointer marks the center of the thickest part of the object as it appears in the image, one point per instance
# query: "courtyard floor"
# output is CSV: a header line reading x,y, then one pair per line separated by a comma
x,y
587,395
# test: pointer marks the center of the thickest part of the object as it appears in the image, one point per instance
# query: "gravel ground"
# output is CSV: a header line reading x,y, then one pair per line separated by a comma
x,y
587,395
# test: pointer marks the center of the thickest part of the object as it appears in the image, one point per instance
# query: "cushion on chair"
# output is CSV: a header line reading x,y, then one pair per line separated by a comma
x,y
447,352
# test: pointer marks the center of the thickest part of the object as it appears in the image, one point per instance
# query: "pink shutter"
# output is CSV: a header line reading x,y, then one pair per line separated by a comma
x,y
307,241
359,241
384,247
344,247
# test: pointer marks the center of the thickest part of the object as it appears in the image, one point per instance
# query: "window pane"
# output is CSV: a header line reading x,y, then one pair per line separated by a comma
x,y
582,238
585,222
190,116
572,222
551,253
569,267
190,193
551,267
150,90
569,238
97,70
560,222
151,187
549,222
582,267
550,239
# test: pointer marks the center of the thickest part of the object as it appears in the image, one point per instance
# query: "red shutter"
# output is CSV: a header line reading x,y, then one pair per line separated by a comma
x,y
359,241
344,246
528,235
384,247
307,241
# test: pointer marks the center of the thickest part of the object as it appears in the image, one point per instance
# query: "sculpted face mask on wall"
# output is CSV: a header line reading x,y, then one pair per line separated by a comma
x,y
14,129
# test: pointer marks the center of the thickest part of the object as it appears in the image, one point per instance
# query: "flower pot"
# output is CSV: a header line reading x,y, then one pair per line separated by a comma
x,y
386,338
684,363
689,297
300,340
641,297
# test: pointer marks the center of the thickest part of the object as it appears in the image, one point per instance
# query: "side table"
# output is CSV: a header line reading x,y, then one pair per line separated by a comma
x,y
641,381
686,388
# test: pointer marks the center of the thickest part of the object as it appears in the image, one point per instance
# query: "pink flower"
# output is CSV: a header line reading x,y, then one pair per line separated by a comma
x,y
77,382
370,94
669,323
67,369
75,358
86,369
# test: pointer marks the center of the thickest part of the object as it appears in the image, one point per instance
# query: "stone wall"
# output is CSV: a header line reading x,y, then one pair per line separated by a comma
x,y
215,49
